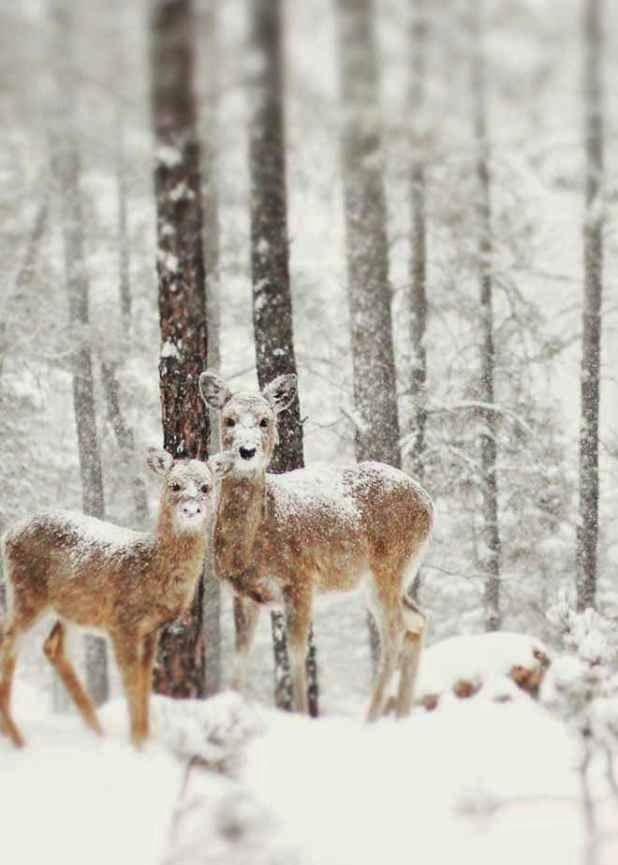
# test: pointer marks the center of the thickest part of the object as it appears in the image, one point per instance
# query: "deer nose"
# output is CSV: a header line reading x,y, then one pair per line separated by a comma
x,y
247,453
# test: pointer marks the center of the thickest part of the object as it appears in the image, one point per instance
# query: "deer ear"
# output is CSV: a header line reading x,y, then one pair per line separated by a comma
x,y
214,390
280,392
159,461
221,464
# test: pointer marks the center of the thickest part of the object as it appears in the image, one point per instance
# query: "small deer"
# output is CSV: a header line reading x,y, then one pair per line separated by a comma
x,y
283,539
109,580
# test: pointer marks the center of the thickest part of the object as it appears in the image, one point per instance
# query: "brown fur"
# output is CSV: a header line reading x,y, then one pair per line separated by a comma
x,y
283,539
125,585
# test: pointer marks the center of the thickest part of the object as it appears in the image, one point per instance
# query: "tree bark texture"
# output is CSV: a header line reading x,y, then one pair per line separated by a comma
x,y
180,670
490,535
588,524
272,300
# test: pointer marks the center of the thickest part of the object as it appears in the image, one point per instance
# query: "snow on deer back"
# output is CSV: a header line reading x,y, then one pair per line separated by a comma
x,y
284,538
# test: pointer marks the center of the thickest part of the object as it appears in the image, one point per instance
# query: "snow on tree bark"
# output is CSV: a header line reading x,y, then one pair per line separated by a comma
x,y
490,534
272,301
373,361
588,523
66,160
180,669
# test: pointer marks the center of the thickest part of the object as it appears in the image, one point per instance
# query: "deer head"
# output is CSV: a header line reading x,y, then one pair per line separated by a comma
x,y
248,420
188,488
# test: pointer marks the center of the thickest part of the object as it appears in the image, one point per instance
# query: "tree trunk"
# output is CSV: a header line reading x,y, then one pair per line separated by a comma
x,y
111,385
272,301
180,670
418,242
126,441
212,586
67,169
375,395
588,526
490,536
418,264
369,293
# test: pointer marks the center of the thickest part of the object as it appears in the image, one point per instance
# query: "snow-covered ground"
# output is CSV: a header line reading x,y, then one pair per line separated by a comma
x,y
474,781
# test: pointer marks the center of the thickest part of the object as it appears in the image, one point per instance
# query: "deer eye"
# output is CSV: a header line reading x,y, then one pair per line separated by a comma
x,y
176,487
264,422
204,488
230,422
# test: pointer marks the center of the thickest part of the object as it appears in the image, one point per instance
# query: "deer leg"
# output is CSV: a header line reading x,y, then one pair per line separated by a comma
x,y
8,662
298,620
54,648
387,613
416,625
149,648
246,614
129,656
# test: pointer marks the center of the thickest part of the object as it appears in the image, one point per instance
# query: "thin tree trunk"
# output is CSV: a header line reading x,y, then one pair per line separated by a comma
x,y
418,264
67,163
111,385
124,258
26,270
212,586
181,663
272,301
125,439
490,535
588,527
369,293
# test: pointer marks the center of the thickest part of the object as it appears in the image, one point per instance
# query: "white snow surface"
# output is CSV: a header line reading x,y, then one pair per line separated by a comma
x,y
474,781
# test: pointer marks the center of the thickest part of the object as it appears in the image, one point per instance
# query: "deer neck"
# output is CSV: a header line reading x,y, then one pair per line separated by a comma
x,y
240,518
171,544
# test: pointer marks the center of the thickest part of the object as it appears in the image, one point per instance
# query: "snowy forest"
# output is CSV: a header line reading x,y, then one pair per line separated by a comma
x,y
410,206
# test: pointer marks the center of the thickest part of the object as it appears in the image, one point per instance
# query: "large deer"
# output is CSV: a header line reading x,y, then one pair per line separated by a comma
x,y
108,579
283,539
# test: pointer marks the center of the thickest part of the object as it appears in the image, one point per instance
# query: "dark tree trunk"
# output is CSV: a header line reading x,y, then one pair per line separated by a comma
x,y
490,537
588,526
272,301
369,293
212,586
68,170
375,395
180,670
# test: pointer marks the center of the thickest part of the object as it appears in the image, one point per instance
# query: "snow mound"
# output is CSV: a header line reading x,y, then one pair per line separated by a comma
x,y
496,662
